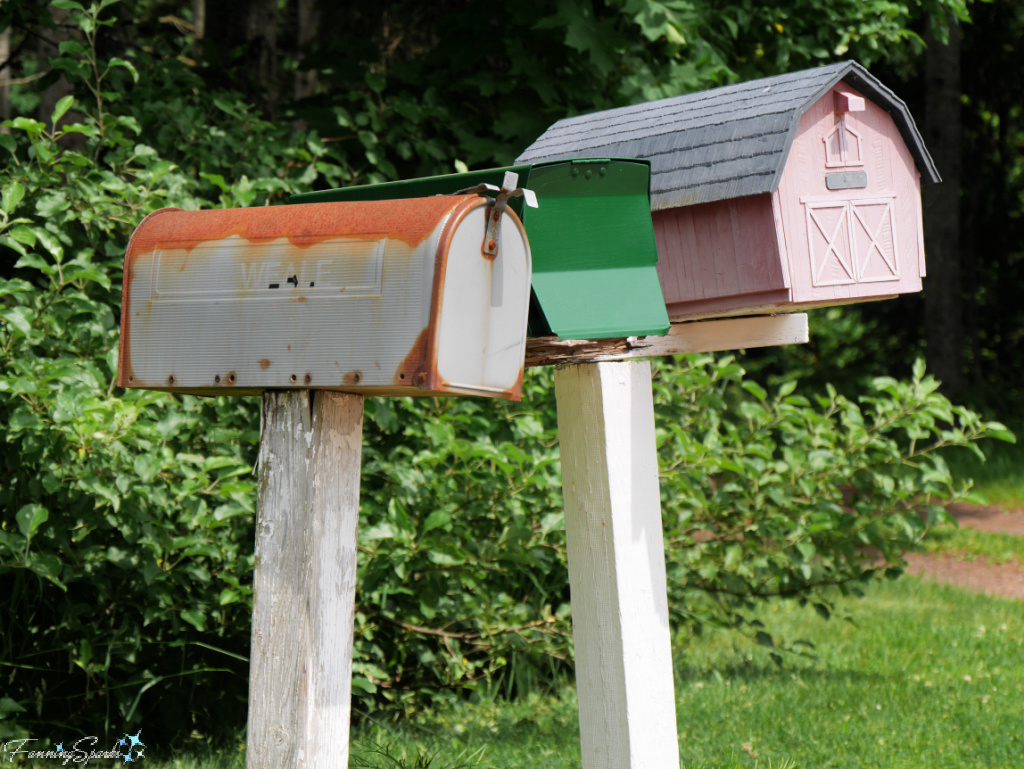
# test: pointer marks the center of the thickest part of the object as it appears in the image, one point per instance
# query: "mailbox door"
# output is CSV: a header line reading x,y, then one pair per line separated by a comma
x,y
598,277
484,304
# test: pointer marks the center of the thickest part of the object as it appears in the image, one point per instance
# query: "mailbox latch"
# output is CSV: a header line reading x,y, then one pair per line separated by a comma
x,y
509,189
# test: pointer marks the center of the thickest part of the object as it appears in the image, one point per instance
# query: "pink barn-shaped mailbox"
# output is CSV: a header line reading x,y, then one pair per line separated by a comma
x,y
779,194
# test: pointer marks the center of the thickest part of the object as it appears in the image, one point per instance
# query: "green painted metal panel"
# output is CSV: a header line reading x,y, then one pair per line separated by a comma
x,y
598,275
592,240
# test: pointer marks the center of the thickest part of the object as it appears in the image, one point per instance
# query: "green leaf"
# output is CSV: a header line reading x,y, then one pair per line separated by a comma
x,y
787,389
14,245
52,204
89,272
195,618
35,262
756,390
23,235
20,320
8,143
67,5
919,368
50,243
13,194
30,518
8,706
72,48
999,431
363,685
30,126
217,180
436,519
118,62
61,108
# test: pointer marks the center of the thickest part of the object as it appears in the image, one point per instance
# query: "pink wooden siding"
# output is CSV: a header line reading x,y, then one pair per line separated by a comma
x,y
859,242
718,250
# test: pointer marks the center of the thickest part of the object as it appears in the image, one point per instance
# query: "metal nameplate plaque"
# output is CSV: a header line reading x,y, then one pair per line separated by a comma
x,y
851,180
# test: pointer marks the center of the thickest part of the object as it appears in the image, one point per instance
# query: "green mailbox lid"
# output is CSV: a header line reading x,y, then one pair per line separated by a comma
x,y
592,240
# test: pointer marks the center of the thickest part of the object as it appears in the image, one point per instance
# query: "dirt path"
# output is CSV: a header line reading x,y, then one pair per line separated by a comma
x,y
1006,579
991,519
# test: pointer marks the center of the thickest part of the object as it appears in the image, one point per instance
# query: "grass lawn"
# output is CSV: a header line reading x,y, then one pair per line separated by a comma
x,y
925,676
921,676
971,544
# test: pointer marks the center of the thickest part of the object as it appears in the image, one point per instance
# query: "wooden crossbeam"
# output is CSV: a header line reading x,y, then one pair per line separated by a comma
x,y
702,336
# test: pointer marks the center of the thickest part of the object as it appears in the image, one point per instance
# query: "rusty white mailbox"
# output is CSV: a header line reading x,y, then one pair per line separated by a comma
x,y
399,297
790,192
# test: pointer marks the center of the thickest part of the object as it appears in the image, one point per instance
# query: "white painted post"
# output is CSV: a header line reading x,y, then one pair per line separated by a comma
x,y
304,583
616,566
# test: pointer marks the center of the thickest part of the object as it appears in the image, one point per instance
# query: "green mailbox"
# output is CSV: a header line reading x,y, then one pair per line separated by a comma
x,y
592,241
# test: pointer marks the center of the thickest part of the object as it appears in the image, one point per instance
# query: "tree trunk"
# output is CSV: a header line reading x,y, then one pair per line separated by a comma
x,y
5,75
46,50
261,34
254,25
199,22
309,23
943,292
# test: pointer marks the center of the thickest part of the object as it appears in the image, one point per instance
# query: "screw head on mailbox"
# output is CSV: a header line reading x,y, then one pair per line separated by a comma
x,y
394,297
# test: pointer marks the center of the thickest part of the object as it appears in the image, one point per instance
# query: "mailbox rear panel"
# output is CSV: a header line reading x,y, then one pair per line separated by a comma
x,y
339,296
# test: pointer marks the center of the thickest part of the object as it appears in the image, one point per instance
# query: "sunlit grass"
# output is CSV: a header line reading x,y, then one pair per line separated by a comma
x,y
970,544
918,675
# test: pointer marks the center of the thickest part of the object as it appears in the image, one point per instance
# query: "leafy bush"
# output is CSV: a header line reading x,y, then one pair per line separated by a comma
x,y
770,497
126,538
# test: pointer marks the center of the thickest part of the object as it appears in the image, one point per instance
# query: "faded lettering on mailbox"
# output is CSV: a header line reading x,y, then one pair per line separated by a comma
x,y
339,267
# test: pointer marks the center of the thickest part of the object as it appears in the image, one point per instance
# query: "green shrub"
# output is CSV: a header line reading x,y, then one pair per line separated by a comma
x,y
126,539
778,496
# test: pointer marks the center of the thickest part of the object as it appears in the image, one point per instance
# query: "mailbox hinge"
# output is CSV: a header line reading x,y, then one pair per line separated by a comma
x,y
509,189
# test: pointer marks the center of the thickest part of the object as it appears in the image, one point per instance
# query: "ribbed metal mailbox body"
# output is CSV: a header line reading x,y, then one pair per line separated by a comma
x,y
385,297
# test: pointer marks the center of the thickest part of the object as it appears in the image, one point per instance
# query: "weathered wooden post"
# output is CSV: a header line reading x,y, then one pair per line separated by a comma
x,y
300,664
411,297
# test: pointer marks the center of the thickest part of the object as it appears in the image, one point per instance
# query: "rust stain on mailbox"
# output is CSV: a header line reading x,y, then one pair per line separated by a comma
x,y
382,297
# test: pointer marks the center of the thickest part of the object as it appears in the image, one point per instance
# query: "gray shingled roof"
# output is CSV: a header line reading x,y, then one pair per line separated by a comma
x,y
725,143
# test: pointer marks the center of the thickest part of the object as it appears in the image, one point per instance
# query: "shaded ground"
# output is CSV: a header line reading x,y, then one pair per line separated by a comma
x,y
1005,579
988,518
